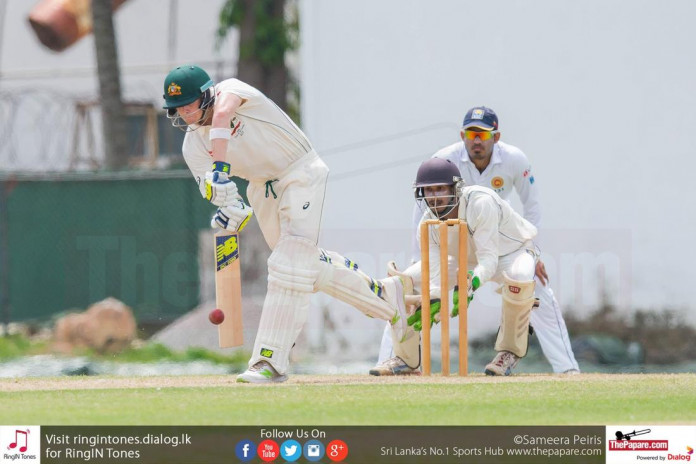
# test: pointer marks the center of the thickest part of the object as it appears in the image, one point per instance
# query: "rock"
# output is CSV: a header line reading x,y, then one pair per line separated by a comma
x,y
107,326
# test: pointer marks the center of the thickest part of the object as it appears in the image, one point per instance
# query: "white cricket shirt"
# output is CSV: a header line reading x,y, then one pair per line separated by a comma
x,y
509,168
264,140
495,228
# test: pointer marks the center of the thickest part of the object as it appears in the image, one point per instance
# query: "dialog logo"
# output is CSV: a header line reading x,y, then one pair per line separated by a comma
x,y
245,450
313,450
291,450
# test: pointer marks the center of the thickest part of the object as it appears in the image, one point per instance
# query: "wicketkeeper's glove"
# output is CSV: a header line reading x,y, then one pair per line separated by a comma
x,y
474,284
415,319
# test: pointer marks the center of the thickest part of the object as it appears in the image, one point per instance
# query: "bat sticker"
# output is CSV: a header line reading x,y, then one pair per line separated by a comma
x,y
227,250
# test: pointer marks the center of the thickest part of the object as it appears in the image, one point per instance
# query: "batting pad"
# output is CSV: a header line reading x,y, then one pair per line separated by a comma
x,y
283,316
518,299
341,279
294,264
412,272
293,268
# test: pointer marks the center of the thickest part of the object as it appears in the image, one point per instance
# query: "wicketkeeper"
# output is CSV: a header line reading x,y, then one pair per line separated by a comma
x,y
500,250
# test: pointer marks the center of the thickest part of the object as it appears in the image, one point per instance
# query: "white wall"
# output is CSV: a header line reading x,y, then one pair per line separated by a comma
x,y
599,94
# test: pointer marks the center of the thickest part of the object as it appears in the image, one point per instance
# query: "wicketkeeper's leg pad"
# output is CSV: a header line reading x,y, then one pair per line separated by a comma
x,y
409,349
518,299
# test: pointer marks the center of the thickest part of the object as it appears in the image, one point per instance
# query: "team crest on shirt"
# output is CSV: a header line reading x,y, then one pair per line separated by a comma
x,y
173,89
497,183
237,127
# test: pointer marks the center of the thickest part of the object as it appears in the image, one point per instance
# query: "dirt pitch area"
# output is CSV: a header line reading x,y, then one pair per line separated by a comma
x,y
213,381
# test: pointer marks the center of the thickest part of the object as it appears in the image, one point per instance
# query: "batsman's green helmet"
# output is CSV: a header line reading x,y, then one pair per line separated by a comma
x,y
184,84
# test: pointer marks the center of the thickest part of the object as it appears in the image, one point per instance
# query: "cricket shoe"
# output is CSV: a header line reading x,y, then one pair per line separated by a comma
x,y
394,293
261,372
503,364
394,366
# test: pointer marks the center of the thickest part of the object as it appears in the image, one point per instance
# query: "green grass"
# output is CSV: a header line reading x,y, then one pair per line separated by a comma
x,y
595,401
155,352
16,346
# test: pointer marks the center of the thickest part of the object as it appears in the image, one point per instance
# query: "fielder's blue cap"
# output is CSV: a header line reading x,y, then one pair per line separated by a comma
x,y
481,118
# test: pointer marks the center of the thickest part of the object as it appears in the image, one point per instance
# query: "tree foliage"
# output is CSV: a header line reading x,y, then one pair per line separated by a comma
x,y
268,30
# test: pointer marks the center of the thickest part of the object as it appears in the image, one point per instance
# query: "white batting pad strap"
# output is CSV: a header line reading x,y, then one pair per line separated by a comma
x,y
412,272
518,299
294,264
341,279
284,313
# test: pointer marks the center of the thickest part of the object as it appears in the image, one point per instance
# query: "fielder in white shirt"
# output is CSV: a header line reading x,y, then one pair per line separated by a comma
x,y
237,130
484,160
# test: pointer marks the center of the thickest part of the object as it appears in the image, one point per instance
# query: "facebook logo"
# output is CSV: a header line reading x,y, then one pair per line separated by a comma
x,y
245,450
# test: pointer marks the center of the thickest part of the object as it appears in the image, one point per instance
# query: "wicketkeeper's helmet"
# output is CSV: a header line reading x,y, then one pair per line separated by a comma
x,y
434,172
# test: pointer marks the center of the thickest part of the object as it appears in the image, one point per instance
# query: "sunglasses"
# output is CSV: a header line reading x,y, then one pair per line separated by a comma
x,y
485,135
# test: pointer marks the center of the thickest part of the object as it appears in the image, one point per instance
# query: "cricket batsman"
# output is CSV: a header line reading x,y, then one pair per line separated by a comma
x,y
234,129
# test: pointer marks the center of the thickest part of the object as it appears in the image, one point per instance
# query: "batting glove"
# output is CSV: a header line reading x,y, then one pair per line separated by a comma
x,y
217,187
233,218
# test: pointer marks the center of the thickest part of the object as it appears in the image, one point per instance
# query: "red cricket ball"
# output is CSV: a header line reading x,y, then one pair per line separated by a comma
x,y
216,316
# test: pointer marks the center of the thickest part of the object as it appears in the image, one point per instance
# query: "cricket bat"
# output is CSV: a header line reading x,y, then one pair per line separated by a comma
x,y
228,288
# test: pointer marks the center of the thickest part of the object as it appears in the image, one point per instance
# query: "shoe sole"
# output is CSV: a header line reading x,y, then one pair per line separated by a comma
x,y
279,379
393,374
494,373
